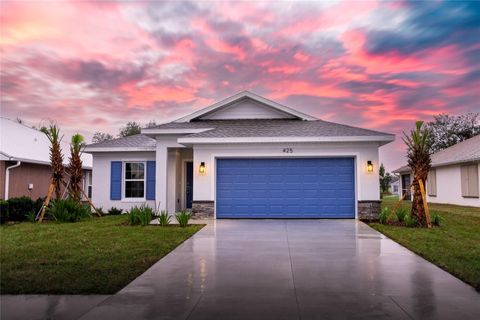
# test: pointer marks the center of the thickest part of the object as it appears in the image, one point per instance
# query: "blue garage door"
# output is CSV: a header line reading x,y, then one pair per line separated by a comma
x,y
285,188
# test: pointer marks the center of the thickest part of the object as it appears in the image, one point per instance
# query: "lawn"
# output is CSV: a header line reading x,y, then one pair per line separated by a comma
x,y
454,246
99,256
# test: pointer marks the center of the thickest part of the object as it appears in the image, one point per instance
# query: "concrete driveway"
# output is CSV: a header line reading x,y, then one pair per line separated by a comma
x,y
295,269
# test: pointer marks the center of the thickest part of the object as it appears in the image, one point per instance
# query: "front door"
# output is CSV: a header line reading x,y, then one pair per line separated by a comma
x,y
406,186
189,184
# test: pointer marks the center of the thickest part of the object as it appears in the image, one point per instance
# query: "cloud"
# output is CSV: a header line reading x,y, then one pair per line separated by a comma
x,y
374,64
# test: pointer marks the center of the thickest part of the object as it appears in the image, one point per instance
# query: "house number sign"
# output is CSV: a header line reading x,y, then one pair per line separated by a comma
x,y
287,150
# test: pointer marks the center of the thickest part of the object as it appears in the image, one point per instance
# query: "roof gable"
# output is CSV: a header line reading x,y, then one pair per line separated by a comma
x,y
245,105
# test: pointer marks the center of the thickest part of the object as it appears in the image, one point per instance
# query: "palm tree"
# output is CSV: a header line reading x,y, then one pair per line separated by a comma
x,y
75,166
418,154
56,157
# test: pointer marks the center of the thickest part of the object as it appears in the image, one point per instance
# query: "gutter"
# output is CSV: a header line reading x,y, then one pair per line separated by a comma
x,y
7,177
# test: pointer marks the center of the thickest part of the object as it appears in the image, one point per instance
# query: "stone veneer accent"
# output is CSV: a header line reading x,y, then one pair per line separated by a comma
x,y
369,209
203,209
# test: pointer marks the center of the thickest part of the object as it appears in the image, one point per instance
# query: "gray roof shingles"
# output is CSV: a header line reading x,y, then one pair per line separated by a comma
x,y
270,128
465,151
245,128
135,141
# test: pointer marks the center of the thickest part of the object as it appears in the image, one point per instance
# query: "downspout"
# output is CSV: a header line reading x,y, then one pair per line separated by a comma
x,y
7,177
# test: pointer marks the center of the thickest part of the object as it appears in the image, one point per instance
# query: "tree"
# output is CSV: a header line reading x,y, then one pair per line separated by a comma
x,y
446,130
385,179
101,136
75,167
151,124
56,157
418,155
130,129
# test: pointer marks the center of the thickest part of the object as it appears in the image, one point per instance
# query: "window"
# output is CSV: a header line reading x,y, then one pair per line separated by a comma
x,y
432,183
395,188
134,180
469,177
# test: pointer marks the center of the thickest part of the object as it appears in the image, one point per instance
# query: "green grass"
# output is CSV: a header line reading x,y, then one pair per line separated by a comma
x,y
454,246
98,256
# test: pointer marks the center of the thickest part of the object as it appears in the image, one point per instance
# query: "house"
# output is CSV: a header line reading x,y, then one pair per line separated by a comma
x,y
453,178
394,186
243,157
25,161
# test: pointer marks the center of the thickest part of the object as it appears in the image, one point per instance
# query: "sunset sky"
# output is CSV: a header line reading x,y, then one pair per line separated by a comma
x,y
380,65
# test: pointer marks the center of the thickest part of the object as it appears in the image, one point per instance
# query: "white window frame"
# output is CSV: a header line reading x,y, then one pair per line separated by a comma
x,y
464,180
124,181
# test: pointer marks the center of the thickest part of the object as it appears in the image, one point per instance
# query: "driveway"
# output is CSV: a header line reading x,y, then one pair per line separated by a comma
x,y
291,269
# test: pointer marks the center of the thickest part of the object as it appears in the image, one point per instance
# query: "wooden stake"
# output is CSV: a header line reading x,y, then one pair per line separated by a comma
x,y
425,205
90,202
47,201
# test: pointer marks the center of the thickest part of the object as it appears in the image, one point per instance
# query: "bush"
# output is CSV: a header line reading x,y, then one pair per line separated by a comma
x,y
401,213
164,218
436,219
3,211
140,215
410,221
115,211
99,210
383,216
20,208
68,210
183,217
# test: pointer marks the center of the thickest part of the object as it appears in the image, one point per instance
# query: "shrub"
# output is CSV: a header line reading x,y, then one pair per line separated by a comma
x,y
164,218
68,210
436,219
99,211
115,211
383,216
140,215
183,217
20,208
3,211
410,221
146,215
31,216
401,213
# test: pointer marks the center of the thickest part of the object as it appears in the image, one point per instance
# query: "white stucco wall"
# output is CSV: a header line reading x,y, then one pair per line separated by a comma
x,y
449,188
367,184
101,178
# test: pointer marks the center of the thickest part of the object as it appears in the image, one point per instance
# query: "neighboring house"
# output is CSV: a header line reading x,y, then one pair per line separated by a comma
x,y
25,161
395,185
453,178
243,157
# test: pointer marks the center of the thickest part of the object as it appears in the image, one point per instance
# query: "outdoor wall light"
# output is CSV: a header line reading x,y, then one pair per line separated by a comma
x,y
201,169
369,166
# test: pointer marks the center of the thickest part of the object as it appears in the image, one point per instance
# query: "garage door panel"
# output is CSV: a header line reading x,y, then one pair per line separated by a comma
x,y
285,188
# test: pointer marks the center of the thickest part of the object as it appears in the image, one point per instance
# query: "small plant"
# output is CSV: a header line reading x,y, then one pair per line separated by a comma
x,y
133,216
146,215
140,215
401,213
68,210
183,217
384,215
115,211
31,216
100,211
436,219
410,221
164,218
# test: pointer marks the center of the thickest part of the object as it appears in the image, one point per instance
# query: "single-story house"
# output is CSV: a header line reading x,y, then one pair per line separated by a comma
x,y
243,157
453,178
394,187
25,161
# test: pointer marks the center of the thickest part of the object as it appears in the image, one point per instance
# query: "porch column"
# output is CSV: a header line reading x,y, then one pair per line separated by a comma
x,y
161,175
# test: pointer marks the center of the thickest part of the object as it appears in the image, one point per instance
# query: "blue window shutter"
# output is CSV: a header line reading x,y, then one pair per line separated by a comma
x,y
150,180
116,180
